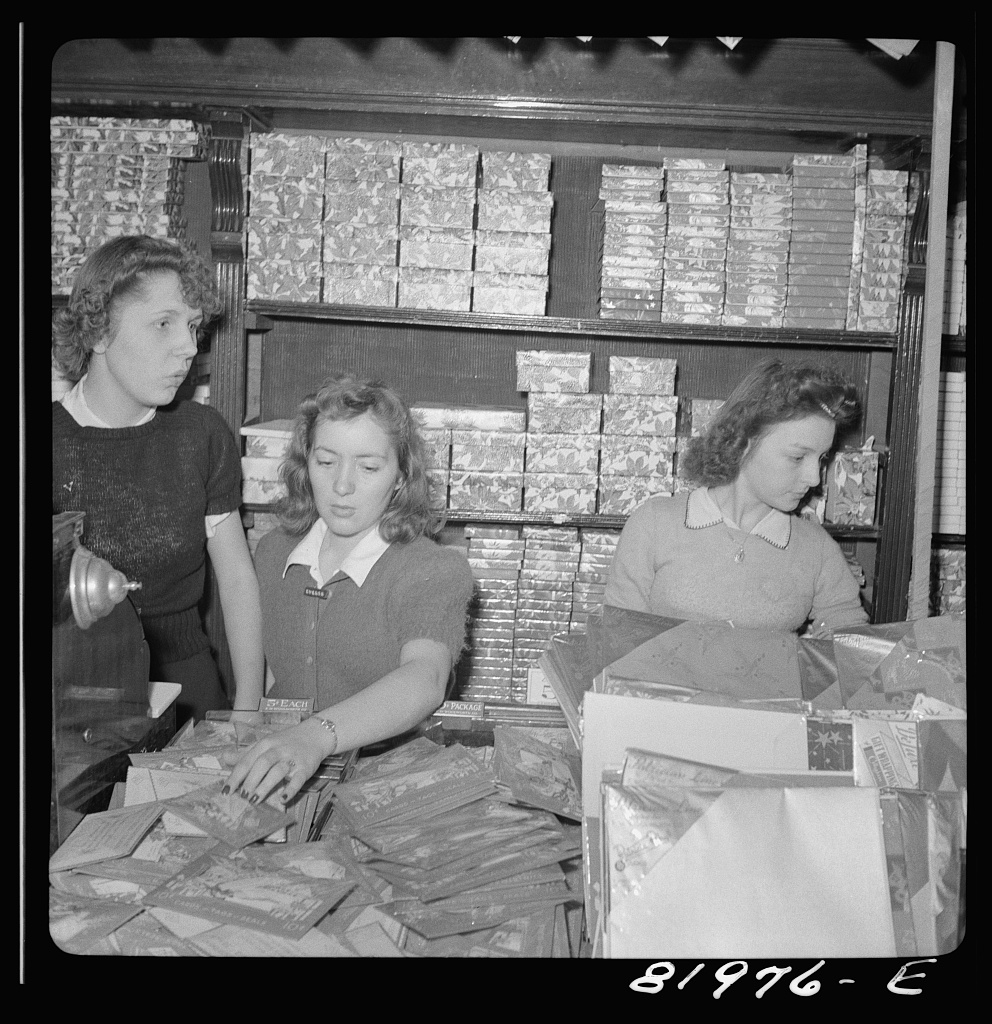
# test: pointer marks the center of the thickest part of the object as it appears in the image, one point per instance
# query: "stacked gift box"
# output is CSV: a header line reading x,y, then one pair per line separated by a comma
x,y
361,221
589,586
947,578
486,446
860,154
560,467
950,470
495,554
638,443
955,277
822,245
283,225
696,245
437,194
544,597
851,486
513,235
266,445
758,249
635,225
113,177
884,258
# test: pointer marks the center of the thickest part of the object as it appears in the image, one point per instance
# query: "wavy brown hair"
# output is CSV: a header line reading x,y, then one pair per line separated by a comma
x,y
413,511
118,268
771,393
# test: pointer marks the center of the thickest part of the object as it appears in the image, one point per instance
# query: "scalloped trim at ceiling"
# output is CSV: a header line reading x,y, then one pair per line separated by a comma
x,y
893,47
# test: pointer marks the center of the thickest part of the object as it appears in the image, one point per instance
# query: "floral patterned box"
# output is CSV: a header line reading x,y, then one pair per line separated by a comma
x,y
548,370
559,492
623,455
852,480
640,414
562,453
490,450
620,495
642,375
497,492
551,413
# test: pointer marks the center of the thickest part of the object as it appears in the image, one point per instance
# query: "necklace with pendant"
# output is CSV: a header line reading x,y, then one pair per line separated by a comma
x,y
739,555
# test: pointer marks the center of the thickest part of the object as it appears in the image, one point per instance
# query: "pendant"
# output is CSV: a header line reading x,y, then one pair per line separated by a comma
x,y
739,557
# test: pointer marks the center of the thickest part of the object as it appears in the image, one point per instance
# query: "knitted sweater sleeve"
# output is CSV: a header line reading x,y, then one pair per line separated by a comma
x,y
430,598
632,571
837,601
224,471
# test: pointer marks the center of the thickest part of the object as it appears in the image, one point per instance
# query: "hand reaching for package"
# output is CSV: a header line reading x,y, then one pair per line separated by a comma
x,y
283,761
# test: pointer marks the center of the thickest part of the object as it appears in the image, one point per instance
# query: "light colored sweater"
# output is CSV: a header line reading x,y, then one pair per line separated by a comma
x,y
676,557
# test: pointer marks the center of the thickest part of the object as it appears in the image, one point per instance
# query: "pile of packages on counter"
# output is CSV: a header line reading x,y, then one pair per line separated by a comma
x,y
389,222
819,245
116,176
429,851
572,451
749,794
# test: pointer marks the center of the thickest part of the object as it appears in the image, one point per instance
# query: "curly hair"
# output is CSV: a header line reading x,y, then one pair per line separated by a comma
x,y
771,393
413,511
118,268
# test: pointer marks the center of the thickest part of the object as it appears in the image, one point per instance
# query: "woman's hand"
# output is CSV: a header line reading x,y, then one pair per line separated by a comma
x,y
285,761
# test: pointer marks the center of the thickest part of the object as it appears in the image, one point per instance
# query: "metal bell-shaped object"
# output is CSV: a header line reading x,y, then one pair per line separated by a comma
x,y
95,587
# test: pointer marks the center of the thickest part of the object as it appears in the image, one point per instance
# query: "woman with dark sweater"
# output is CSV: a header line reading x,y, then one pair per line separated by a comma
x,y
158,479
363,610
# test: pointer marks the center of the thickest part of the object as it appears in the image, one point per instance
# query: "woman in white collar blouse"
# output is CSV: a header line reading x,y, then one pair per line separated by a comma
x,y
732,549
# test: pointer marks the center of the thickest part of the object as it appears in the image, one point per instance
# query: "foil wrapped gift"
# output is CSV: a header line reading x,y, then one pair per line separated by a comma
x,y
548,370
851,488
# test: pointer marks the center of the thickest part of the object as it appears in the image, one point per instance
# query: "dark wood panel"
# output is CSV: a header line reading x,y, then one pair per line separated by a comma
x,y
763,85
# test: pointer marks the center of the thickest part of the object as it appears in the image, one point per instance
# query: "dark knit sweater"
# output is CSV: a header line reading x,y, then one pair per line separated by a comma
x,y
145,491
332,647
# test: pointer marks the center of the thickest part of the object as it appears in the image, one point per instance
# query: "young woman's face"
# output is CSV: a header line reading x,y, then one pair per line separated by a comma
x,y
147,352
354,473
781,466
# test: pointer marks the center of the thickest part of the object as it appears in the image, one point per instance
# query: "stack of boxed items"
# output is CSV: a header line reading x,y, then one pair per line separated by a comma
x,y
437,196
496,555
883,261
361,221
698,194
265,448
758,249
713,755
544,598
116,176
955,274
638,444
595,559
283,226
486,454
950,470
948,581
859,152
513,235
560,467
438,443
635,225
822,246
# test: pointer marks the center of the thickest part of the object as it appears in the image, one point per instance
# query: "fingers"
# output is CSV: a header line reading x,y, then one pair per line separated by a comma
x,y
261,771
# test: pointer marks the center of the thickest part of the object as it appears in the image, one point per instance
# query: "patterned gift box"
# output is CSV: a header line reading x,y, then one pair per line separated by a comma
x,y
440,164
642,375
515,210
550,413
489,450
562,453
437,255
420,209
500,260
546,370
356,208
497,492
268,440
299,155
363,189
261,492
623,455
284,280
559,492
437,441
461,417
270,243
640,414
512,301
652,172
359,243
852,480
423,288
361,167
513,239
531,171
620,495
360,284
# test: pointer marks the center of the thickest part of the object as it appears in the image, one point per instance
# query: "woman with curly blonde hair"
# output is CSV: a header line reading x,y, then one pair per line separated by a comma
x,y
732,548
362,609
158,478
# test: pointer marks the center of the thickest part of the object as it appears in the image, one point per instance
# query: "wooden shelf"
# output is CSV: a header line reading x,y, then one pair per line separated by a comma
x,y
600,328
